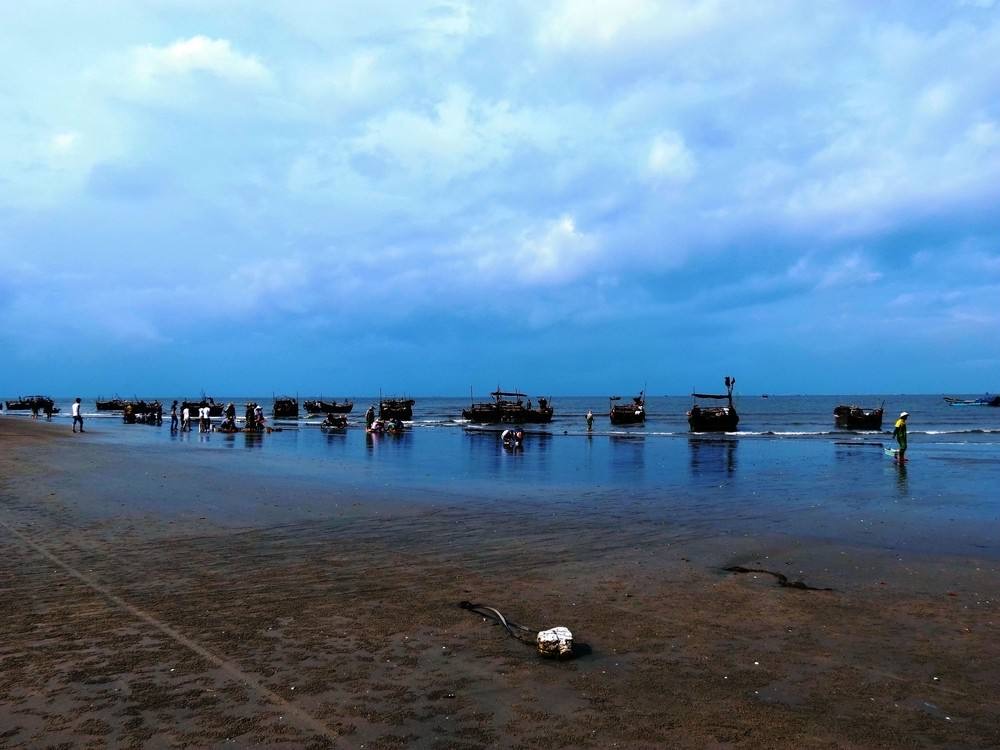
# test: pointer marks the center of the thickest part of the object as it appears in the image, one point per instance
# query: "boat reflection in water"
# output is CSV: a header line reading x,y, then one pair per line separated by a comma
x,y
713,457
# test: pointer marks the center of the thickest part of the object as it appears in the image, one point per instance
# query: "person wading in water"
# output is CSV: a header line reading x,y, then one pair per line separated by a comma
x,y
899,433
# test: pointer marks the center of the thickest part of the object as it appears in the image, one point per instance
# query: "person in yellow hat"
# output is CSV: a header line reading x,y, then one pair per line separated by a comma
x,y
899,433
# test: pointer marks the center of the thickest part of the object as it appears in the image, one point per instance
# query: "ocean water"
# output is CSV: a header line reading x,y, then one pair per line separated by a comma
x,y
786,471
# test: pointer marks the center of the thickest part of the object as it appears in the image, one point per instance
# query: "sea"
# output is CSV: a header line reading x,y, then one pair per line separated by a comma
x,y
787,470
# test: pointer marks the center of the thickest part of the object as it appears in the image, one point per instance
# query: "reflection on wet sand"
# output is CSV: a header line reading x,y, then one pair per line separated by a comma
x,y
628,454
712,456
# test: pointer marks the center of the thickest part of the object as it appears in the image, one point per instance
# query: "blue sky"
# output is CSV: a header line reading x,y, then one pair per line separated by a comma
x,y
574,197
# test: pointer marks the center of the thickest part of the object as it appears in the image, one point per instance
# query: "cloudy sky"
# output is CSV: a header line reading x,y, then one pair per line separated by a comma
x,y
571,197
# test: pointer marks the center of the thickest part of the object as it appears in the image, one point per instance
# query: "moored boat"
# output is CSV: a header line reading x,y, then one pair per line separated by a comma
x,y
987,400
111,404
714,418
509,407
214,409
855,417
630,413
286,407
42,404
396,408
319,406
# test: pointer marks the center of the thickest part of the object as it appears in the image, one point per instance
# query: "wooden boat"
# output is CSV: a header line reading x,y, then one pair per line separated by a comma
x,y
286,407
632,413
714,418
508,407
142,412
985,401
396,408
319,406
33,403
113,404
214,409
857,418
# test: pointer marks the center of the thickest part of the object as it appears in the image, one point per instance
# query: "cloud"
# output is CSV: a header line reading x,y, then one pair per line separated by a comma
x,y
64,142
435,159
555,253
199,54
669,159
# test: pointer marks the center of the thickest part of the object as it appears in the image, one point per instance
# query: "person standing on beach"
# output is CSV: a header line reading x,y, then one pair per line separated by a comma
x,y
370,417
173,417
77,416
590,420
186,419
899,433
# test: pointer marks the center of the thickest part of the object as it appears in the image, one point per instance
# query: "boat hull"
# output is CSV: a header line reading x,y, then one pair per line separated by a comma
x,y
857,418
286,408
319,406
624,415
490,414
396,409
713,419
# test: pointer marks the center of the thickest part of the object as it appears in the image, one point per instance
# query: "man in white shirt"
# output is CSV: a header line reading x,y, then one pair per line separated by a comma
x,y
77,416
186,419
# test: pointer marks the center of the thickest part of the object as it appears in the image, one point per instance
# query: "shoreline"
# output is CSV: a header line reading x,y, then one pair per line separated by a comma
x,y
183,629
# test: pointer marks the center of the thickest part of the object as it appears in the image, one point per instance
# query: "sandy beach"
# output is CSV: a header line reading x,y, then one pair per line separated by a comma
x,y
156,597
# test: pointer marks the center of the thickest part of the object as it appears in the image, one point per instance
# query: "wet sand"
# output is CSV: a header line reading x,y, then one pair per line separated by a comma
x,y
155,597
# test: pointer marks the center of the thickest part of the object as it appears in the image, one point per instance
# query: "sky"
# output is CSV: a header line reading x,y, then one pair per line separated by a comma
x,y
567,197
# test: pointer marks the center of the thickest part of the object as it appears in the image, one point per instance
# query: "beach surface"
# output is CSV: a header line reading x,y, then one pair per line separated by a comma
x,y
162,596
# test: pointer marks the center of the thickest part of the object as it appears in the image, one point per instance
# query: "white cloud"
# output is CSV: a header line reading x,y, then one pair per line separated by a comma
x,y
63,142
669,159
199,54
556,254
852,269
583,24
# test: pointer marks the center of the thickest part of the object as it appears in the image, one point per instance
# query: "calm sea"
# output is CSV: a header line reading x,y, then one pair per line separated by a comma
x,y
786,470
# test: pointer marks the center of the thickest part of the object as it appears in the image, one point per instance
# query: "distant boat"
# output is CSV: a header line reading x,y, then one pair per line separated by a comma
x,y
714,418
319,406
508,407
43,404
286,407
857,418
630,413
985,401
113,404
396,408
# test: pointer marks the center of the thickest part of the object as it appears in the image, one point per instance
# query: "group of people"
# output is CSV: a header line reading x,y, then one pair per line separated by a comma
x,y
512,438
180,418
394,425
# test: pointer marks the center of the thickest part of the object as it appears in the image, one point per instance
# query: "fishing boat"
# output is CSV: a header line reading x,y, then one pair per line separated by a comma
x,y
855,417
714,418
33,403
286,407
214,409
319,406
631,413
987,400
508,407
112,404
142,412
396,408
